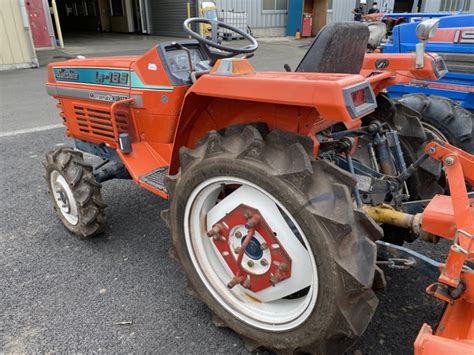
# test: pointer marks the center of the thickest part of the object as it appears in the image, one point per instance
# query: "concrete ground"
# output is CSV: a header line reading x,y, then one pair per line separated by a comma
x,y
60,294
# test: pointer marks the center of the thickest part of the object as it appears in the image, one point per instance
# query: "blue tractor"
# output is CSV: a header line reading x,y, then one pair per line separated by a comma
x,y
447,105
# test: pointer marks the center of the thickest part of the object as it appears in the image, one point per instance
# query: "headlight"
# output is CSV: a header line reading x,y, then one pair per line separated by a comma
x,y
427,29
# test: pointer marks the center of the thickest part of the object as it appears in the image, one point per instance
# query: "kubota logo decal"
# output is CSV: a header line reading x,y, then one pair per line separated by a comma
x,y
67,74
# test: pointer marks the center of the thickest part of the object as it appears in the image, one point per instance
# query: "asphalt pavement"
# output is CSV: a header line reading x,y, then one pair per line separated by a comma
x,y
121,292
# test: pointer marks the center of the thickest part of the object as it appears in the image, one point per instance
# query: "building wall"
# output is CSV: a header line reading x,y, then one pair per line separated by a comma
x,y
262,24
446,5
341,10
16,46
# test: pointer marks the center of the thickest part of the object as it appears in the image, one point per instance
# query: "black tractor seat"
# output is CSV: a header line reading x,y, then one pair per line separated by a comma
x,y
338,48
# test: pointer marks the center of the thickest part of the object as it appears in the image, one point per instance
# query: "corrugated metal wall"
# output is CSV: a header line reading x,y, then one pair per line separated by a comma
x,y
166,17
342,9
256,19
446,5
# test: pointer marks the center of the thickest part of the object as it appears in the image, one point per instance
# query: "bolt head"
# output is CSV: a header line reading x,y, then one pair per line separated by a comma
x,y
250,263
237,250
238,234
247,214
450,161
264,246
274,279
264,262
246,283
281,266
215,231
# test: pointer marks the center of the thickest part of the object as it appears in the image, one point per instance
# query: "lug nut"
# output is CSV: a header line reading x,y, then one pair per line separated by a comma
x,y
236,280
274,279
263,246
238,234
281,266
246,283
215,231
247,214
252,222
250,263
237,250
264,262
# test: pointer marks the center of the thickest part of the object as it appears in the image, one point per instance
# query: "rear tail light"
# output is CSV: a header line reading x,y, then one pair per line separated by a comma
x,y
359,99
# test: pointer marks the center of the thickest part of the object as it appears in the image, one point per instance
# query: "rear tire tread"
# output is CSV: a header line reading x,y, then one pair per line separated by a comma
x,y
351,233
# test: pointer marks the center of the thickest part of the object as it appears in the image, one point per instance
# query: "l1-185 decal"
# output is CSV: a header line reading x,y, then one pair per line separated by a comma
x,y
109,77
105,77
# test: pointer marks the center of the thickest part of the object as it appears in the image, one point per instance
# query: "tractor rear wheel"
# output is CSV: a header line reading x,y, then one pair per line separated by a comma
x,y
305,283
74,192
443,119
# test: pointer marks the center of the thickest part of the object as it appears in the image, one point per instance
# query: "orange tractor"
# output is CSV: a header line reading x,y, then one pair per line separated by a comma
x,y
281,184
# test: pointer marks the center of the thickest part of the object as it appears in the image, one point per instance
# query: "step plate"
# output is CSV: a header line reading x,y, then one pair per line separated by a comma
x,y
156,178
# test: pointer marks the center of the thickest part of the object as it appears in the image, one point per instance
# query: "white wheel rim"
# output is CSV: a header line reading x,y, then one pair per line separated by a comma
x,y
266,309
64,197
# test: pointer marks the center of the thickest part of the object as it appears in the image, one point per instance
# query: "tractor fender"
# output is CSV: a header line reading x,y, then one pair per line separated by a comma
x,y
288,101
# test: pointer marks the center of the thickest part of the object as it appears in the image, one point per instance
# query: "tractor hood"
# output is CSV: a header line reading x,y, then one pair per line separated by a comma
x,y
121,62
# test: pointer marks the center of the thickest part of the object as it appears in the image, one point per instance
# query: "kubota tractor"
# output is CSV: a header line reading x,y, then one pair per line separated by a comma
x,y
278,181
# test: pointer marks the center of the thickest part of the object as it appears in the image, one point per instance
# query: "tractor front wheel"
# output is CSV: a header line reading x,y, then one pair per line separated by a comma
x,y
74,192
270,242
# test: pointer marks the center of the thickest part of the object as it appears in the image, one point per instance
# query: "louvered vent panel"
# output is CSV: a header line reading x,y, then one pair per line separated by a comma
x,y
96,122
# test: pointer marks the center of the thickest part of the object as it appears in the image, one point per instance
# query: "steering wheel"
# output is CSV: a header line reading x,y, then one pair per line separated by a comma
x,y
222,51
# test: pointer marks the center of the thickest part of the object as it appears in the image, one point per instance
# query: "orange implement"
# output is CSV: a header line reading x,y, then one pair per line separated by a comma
x,y
452,218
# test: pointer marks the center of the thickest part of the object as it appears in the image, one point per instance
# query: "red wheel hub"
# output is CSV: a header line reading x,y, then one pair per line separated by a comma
x,y
250,249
